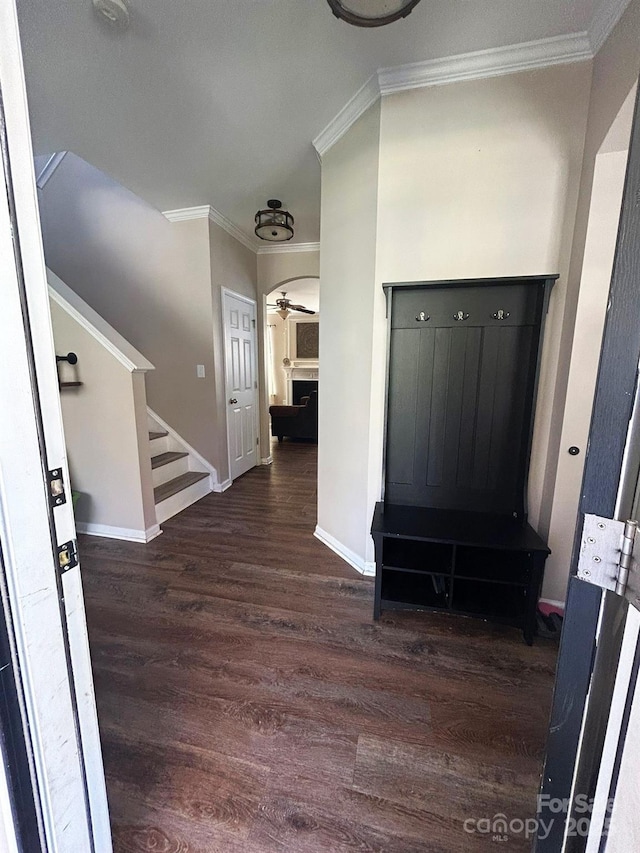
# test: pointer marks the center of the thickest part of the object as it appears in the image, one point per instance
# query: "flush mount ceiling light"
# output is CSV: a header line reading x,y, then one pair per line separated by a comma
x,y
274,224
371,13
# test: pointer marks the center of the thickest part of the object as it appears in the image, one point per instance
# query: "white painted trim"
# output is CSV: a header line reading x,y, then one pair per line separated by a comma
x,y
46,173
226,224
96,326
575,47
128,534
183,214
279,248
223,486
552,602
205,211
65,740
267,460
348,115
486,63
207,466
349,556
227,292
164,473
174,504
604,20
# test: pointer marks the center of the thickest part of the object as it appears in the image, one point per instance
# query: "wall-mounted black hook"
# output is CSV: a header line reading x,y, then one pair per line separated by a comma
x,y
70,357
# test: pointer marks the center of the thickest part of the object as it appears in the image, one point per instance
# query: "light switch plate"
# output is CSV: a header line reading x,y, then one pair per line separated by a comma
x,y
200,371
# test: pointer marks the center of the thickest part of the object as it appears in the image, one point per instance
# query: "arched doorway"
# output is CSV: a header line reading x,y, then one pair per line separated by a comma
x,y
302,286
291,342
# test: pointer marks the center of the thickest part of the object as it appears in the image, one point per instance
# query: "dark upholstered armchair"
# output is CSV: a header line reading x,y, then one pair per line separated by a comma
x,y
296,421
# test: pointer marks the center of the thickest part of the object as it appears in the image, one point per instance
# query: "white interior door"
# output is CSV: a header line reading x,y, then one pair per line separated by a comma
x,y
45,600
241,382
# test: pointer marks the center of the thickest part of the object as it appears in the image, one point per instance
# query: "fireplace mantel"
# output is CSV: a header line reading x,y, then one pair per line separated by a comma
x,y
300,369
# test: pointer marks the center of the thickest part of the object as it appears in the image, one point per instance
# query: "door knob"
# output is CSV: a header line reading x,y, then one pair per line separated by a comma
x,y
233,401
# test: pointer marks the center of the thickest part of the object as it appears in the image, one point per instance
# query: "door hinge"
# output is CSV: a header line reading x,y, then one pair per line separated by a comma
x,y
607,555
258,440
57,491
67,556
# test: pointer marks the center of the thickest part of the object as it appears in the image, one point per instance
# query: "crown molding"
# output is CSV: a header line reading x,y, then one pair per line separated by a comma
x,y
485,63
479,64
348,115
240,235
279,248
205,211
606,17
182,214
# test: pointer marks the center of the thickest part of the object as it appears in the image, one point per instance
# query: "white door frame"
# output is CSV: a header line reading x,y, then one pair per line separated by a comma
x,y
47,607
225,291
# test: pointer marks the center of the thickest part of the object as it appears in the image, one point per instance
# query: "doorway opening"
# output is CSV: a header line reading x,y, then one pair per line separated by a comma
x,y
292,359
590,736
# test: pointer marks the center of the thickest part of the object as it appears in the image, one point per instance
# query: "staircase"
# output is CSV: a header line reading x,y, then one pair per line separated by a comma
x,y
180,478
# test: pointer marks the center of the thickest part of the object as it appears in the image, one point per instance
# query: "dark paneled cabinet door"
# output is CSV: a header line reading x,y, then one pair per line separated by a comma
x,y
459,397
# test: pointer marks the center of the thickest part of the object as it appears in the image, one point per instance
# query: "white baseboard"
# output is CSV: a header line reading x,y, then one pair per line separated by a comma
x,y
349,556
267,460
551,601
223,486
128,534
206,466
171,506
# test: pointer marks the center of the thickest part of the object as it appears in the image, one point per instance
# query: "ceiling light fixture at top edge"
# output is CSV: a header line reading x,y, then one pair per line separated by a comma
x,y
371,13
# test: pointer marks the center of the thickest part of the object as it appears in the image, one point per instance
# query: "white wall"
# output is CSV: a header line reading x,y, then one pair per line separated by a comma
x,y
349,229
477,178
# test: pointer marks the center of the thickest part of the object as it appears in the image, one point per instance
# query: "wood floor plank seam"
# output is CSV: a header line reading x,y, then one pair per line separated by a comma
x,y
249,704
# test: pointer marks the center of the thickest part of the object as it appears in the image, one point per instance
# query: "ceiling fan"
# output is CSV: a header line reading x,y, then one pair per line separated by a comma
x,y
285,307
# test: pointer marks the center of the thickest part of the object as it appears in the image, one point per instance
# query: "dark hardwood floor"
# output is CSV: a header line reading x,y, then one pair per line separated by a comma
x,y
248,703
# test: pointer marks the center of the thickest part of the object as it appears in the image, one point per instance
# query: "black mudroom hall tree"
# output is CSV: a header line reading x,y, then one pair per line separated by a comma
x,y
462,369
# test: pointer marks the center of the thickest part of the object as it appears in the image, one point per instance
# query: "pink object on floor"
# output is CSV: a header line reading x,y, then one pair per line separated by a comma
x,y
547,609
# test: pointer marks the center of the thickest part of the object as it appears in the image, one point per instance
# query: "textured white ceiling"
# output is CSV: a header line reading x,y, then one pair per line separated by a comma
x,y
217,101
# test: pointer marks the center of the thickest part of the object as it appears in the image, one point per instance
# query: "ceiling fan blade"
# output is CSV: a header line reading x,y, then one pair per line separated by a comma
x,y
302,309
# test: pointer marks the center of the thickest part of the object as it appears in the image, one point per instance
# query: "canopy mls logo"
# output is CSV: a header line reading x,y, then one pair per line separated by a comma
x,y
500,827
